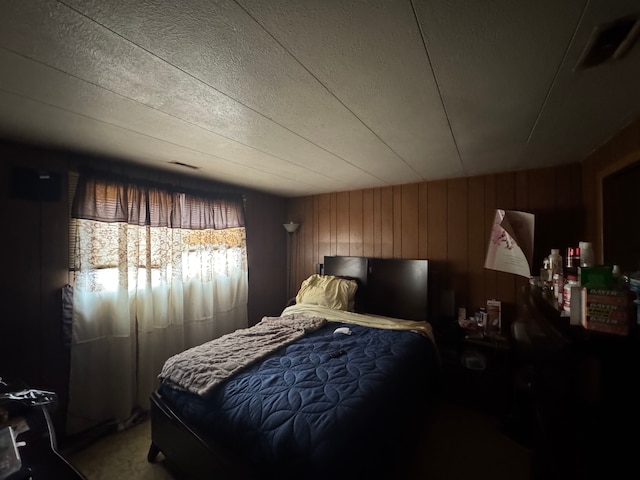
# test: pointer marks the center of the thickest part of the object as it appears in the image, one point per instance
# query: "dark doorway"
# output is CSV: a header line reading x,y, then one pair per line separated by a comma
x,y
621,218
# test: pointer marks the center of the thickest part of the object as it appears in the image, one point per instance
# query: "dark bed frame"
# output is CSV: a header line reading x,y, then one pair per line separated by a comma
x,y
389,287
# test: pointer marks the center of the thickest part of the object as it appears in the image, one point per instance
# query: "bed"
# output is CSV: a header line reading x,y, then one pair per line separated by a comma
x,y
335,386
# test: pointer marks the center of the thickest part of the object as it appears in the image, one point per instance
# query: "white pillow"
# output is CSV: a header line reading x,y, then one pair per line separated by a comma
x,y
328,291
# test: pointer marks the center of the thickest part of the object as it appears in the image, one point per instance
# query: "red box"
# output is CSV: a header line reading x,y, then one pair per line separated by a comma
x,y
606,311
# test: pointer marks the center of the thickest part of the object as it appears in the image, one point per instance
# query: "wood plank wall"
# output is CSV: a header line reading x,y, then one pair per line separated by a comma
x,y
445,221
35,264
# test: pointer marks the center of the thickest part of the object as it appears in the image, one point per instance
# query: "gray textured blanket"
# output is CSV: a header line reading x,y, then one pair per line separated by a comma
x,y
200,369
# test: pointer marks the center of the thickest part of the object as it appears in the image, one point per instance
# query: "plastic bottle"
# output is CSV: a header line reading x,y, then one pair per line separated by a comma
x,y
546,275
556,267
572,262
555,261
572,281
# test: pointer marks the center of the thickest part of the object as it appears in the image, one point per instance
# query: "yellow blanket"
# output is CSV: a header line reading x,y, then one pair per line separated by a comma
x,y
374,321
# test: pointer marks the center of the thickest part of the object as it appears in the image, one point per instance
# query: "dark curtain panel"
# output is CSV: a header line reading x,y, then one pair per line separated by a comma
x,y
118,200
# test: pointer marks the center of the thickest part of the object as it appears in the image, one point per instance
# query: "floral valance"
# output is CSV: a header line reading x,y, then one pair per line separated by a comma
x,y
117,200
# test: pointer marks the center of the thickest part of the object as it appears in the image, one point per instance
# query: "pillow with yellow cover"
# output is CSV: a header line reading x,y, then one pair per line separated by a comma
x,y
328,291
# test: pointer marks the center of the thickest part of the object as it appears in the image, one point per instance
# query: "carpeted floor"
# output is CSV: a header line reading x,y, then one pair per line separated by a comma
x,y
459,444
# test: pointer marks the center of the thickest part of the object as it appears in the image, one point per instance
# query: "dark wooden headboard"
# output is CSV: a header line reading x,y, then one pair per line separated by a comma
x,y
392,287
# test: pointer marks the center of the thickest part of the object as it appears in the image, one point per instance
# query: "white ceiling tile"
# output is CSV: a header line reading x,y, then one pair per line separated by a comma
x,y
587,106
44,124
298,98
52,87
370,55
219,44
494,62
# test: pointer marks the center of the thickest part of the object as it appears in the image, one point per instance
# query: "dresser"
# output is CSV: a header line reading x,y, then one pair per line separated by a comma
x,y
579,391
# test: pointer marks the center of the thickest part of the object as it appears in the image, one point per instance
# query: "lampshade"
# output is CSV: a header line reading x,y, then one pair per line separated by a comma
x,y
511,243
291,227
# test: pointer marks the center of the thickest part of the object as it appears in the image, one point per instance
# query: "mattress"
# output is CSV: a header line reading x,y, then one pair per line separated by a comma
x,y
330,401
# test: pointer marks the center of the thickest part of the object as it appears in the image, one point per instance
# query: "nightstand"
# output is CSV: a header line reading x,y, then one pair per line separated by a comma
x,y
477,372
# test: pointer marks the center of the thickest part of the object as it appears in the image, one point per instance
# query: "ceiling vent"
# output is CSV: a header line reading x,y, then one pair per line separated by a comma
x,y
610,41
186,165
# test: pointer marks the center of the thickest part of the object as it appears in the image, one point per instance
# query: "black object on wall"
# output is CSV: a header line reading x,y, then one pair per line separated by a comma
x,y
34,185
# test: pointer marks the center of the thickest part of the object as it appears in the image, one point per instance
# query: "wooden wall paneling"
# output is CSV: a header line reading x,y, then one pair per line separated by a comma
x,y
457,241
315,211
522,191
342,223
623,144
569,212
25,267
386,221
437,220
334,223
437,252
542,202
356,227
324,226
445,221
589,174
397,221
505,199
578,221
54,275
568,217
490,205
423,220
21,359
309,244
522,204
410,208
476,244
368,223
377,222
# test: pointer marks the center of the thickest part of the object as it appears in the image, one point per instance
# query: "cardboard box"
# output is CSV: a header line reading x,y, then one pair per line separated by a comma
x,y
606,311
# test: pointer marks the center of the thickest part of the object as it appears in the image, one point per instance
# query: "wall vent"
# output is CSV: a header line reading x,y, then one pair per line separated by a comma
x,y
610,41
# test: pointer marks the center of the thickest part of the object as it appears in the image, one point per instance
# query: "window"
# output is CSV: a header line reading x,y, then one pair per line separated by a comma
x,y
155,271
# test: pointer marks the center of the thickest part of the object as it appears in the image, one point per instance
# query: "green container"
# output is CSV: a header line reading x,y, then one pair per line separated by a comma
x,y
599,276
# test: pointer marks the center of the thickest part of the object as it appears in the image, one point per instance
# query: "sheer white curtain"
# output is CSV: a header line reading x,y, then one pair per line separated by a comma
x,y
145,289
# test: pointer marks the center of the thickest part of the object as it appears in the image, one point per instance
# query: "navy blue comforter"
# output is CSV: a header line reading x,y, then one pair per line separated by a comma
x,y
325,401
